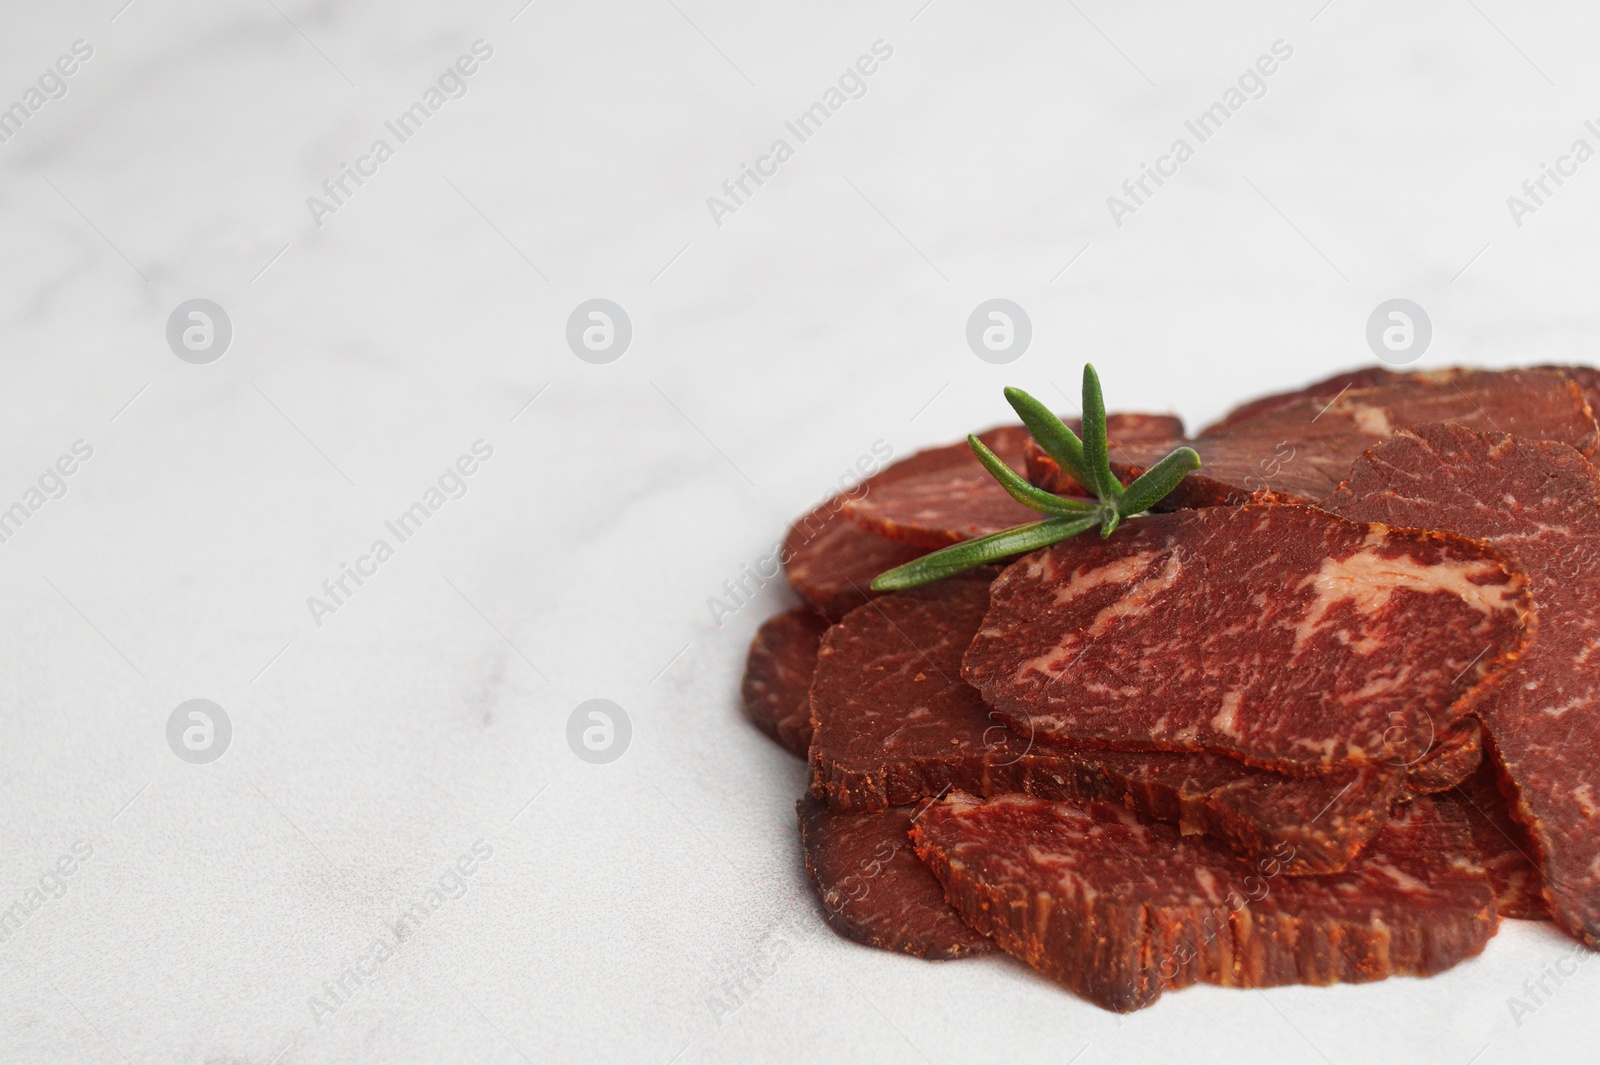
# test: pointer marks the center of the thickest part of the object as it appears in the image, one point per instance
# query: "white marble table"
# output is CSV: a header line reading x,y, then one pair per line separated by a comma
x,y
413,729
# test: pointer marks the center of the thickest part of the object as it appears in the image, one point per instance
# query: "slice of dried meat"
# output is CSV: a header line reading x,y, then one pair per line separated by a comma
x,y
1280,635
1312,825
1540,503
895,723
777,676
1502,846
1300,449
894,720
873,888
1587,379
1118,908
944,495
1450,759
830,560
1326,389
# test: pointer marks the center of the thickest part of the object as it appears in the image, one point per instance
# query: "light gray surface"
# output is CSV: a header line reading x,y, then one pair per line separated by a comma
x,y
619,909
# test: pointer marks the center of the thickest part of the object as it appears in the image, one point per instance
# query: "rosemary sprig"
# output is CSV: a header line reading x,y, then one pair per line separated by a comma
x,y
1088,460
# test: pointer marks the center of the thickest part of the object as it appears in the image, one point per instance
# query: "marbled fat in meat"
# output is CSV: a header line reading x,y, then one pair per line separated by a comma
x,y
1280,635
1118,909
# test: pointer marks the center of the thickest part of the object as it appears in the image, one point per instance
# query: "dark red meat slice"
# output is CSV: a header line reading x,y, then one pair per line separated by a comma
x,y
1311,825
1280,635
944,495
1300,450
1501,845
896,723
948,496
1233,471
777,676
1587,379
1118,909
830,560
894,720
1450,759
873,888
1540,503
1326,389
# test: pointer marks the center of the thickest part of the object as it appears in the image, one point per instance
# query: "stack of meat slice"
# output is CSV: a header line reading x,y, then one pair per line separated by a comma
x,y
1240,742
1298,447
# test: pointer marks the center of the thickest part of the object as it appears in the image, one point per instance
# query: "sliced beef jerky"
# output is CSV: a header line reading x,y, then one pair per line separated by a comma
x,y
777,676
830,560
1118,908
895,723
1502,846
1326,389
1311,825
1450,759
1587,379
943,495
1233,471
1279,635
1540,503
1301,449
873,888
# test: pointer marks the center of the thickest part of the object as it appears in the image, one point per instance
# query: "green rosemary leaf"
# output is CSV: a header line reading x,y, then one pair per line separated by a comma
x,y
1109,520
1096,455
1153,484
1086,460
1021,490
969,554
1058,441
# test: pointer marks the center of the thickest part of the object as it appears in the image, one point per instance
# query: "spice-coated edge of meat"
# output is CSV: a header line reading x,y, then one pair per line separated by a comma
x,y
1301,449
1449,759
1280,635
1117,908
1540,502
1502,846
873,888
830,560
777,676
895,723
